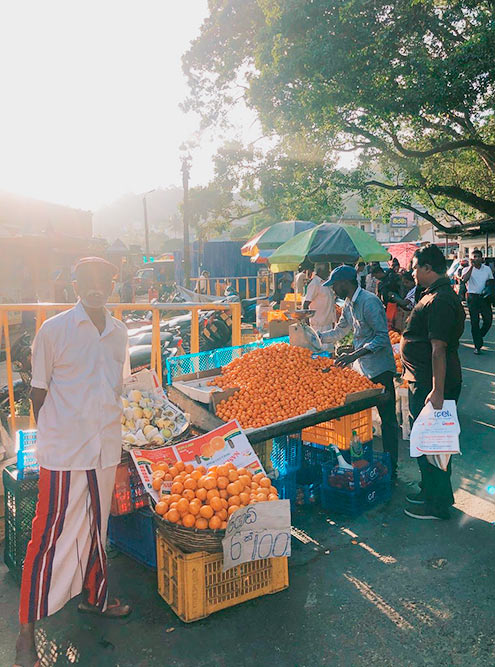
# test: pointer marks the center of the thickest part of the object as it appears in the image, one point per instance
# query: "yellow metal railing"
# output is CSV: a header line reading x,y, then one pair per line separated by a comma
x,y
216,286
43,310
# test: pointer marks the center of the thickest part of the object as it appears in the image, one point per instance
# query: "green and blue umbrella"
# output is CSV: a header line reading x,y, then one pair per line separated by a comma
x,y
328,242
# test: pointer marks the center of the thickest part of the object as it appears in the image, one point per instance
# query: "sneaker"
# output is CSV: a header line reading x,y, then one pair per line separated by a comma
x,y
416,498
477,350
425,513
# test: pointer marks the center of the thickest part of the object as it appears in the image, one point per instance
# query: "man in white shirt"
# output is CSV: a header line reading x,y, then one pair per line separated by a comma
x,y
79,361
475,278
321,299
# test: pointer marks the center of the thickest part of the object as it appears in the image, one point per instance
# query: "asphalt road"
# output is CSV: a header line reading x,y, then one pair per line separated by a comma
x,y
383,589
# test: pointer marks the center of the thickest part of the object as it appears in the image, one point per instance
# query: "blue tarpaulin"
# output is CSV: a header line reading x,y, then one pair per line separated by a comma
x,y
220,258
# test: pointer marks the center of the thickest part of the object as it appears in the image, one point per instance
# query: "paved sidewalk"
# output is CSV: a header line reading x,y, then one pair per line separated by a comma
x,y
382,589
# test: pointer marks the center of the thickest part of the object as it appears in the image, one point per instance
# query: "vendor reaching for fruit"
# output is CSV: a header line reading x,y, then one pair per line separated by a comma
x,y
79,362
373,357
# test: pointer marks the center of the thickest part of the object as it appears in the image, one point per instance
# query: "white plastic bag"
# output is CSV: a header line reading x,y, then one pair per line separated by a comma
x,y
436,432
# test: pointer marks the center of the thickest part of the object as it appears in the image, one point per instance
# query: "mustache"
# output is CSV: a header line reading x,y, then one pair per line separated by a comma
x,y
94,292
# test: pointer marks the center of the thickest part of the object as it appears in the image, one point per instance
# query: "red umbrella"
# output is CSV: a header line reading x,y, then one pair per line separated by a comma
x,y
403,252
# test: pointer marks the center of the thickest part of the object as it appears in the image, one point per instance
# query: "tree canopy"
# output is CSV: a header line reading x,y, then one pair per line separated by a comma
x,y
406,85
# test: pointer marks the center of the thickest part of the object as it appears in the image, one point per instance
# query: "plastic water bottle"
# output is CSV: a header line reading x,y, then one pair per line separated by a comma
x,y
27,463
356,448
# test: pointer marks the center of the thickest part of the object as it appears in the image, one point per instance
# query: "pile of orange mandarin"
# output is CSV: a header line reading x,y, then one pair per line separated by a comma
x,y
398,363
394,337
282,381
201,498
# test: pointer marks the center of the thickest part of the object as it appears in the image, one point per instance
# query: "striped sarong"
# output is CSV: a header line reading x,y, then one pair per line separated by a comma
x,y
66,554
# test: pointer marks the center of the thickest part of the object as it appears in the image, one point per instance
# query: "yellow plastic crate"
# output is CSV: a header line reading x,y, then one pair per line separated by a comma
x,y
339,431
195,586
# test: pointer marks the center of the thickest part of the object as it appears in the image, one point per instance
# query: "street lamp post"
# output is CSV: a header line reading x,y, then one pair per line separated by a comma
x,y
146,229
185,214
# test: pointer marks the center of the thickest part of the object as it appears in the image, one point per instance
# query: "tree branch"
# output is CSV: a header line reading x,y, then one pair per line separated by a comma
x,y
442,208
467,197
441,148
430,218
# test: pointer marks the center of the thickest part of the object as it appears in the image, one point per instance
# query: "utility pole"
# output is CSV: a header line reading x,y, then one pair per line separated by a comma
x,y
146,230
185,220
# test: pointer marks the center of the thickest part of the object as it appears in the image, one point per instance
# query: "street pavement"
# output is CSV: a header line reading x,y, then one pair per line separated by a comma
x,y
382,589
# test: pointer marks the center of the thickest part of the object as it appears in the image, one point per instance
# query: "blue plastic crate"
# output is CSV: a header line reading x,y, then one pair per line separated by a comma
x,y
313,454
27,463
378,468
356,502
286,485
286,452
205,361
352,492
134,535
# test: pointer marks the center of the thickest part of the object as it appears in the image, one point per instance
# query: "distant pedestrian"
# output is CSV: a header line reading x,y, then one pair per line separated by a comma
x,y
361,274
475,277
202,284
429,352
300,281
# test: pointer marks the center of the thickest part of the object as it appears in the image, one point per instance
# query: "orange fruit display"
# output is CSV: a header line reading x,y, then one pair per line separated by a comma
x,y
205,499
282,381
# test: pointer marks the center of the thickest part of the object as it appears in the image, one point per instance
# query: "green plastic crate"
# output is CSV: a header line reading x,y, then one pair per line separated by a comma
x,y
21,496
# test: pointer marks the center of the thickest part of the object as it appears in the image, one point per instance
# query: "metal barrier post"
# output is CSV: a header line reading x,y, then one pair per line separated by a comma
x,y
236,324
156,347
10,377
195,330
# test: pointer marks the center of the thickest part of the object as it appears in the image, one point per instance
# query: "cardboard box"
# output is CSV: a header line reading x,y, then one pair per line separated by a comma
x,y
288,305
278,328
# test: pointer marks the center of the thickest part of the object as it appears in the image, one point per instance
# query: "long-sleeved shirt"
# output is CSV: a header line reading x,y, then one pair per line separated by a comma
x,y
364,314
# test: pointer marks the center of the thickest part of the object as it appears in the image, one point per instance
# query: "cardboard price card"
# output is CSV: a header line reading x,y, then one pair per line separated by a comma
x,y
144,458
256,532
226,443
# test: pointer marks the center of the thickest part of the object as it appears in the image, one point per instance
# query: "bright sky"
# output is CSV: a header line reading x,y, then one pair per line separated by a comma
x,y
89,97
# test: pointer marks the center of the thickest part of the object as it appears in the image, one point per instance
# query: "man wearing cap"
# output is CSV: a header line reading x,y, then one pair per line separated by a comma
x,y
78,363
364,314
321,299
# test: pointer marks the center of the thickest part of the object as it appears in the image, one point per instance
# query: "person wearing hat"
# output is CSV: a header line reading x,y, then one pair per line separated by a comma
x,y
321,299
364,315
79,361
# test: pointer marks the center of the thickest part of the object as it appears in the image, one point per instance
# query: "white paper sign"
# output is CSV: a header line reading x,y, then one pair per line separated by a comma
x,y
256,532
436,431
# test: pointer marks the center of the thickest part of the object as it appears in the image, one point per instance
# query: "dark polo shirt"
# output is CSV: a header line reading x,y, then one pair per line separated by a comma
x,y
438,315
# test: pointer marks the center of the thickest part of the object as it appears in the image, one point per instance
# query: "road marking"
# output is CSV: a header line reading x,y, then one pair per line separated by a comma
x,y
476,370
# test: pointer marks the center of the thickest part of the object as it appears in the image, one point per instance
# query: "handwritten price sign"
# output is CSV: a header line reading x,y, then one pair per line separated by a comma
x,y
256,532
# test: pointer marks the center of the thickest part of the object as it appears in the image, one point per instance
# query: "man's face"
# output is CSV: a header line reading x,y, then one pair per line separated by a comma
x,y
94,286
340,289
323,272
476,259
420,273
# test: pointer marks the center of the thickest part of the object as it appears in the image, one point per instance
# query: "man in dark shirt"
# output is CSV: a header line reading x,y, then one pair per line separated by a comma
x,y
429,351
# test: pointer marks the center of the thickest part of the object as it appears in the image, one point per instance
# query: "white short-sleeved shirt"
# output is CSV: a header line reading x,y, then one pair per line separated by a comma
x,y
323,302
477,281
79,425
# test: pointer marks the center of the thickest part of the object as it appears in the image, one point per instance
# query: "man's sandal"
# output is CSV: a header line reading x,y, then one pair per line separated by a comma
x,y
114,610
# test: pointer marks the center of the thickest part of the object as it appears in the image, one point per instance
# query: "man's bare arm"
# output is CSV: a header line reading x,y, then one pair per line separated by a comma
x,y
37,399
439,366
